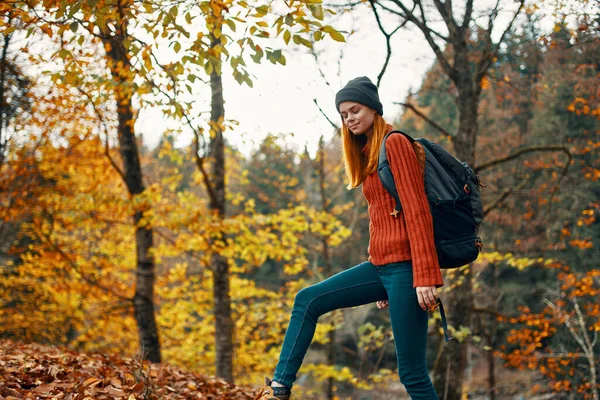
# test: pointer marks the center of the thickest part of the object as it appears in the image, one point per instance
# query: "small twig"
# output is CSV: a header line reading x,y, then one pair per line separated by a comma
x,y
325,115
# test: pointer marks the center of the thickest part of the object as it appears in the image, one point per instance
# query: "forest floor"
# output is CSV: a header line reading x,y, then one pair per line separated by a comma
x,y
33,371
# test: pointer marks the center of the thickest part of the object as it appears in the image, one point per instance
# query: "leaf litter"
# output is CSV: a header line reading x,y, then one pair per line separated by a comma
x,y
35,371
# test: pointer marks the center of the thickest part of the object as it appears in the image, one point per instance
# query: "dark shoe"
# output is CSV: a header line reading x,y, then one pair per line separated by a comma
x,y
270,393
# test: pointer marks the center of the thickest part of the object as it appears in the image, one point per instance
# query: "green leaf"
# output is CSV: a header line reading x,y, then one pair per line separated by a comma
x,y
338,37
208,67
230,24
261,11
177,47
316,11
279,57
73,9
300,40
74,26
287,36
188,18
64,53
258,55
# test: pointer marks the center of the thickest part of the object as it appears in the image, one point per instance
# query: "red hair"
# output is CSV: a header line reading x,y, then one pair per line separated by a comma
x,y
358,165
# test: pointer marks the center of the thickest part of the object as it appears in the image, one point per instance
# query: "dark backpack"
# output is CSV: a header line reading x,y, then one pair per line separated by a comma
x,y
453,192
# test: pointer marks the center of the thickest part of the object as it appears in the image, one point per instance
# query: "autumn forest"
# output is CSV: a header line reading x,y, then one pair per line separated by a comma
x,y
170,271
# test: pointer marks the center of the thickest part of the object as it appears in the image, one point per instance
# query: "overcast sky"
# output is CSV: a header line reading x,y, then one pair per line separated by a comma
x,y
281,100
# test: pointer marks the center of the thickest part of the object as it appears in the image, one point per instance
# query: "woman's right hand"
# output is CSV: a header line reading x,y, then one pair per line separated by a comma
x,y
381,304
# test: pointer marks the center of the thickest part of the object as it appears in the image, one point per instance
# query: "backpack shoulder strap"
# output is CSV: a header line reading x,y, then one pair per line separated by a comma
x,y
385,173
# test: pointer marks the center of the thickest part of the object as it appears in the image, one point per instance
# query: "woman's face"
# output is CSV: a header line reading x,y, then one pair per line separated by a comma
x,y
357,117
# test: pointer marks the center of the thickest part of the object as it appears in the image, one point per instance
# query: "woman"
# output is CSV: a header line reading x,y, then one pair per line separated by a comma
x,y
402,270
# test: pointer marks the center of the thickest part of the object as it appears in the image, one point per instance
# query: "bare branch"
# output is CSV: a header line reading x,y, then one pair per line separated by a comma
x,y
388,37
318,64
325,115
427,31
445,10
468,15
105,128
512,156
496,203
197,132
403,16
489,312
586,337
75,267
575,335
486,59
509,27
555,188
487,56
426,118
190,253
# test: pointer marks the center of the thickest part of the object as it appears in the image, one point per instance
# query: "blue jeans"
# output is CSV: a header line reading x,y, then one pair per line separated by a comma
x,y
363,284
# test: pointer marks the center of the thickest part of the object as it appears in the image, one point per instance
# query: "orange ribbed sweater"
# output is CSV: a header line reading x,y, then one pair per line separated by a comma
x,y
409,235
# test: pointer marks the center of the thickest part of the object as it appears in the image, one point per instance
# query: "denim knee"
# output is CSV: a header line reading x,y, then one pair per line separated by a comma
x,y
304,302
413,376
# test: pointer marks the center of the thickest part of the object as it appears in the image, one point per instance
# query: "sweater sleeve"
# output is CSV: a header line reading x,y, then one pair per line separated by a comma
x,y
408,177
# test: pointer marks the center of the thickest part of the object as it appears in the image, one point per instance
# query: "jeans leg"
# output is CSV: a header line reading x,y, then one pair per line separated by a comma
x,y
409,324
353,287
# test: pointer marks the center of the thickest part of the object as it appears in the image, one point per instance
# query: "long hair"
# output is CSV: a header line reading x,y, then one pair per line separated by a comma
x,y
358,165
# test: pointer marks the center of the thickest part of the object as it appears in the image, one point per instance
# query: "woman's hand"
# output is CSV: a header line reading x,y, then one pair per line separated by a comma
x,y
427,297
382,304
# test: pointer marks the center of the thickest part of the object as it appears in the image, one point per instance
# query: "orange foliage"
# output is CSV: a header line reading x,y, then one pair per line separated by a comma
x,y
573,318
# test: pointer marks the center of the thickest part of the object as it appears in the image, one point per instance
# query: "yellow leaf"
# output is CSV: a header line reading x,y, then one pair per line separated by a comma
x,y
338,37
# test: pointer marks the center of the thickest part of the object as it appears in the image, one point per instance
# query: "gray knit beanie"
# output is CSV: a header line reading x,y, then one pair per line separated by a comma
x,y
360,90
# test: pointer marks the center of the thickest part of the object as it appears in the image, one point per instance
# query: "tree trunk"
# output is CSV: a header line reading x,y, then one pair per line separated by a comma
x,y
221,296
143,300
327,266
491,334
3,105
450,373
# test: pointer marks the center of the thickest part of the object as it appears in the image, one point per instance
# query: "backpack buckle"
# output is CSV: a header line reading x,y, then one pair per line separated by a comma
x,y
478,243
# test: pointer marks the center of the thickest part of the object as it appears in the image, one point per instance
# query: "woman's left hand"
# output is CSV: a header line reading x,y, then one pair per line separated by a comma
x,y
381,304
427,297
